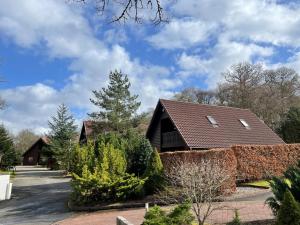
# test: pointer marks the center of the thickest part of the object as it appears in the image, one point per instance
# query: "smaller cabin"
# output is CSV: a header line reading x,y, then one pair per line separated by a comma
x,y
87,132
33,156
185,126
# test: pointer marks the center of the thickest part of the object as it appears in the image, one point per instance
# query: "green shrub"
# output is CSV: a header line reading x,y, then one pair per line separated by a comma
x,y
279,187
81,156
180,215
140,155
111,161
154,172
92,188
236,220
289,212
155,216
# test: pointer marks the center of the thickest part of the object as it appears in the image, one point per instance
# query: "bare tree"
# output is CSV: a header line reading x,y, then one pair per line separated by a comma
x,y
242,79
196,95
23,140
129,9
198,182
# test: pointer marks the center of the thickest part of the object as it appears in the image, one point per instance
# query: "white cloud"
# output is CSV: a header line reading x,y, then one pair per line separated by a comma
x,y
65,33
206,35
224,54
183,34
256,20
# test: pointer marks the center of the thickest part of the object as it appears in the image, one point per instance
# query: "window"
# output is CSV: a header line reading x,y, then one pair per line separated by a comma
x,y
212,121
245,124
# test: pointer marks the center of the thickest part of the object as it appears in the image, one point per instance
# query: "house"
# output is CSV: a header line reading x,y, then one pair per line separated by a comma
x,y
90,129
185,126
87,131
33,155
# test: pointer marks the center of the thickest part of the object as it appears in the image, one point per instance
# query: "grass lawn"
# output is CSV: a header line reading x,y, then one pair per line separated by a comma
x,y
261,184
257,184
6,172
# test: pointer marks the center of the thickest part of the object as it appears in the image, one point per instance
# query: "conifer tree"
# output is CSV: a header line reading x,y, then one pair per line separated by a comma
x,y
62,133
117,106
289,212
8,155
154,172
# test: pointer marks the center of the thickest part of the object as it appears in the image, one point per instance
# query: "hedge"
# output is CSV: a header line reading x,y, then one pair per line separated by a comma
x,y
244,162
256,162
225,158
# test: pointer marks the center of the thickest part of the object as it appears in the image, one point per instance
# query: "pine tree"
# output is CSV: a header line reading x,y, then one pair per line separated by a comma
x,y
62,133
117,105
289,212
8,155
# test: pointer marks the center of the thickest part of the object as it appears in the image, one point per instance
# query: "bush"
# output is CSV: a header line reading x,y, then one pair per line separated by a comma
x,y
83,156
138,152
155,216
92,188
154,173
236,220
101,176
140,156
289,212
289,182
180,215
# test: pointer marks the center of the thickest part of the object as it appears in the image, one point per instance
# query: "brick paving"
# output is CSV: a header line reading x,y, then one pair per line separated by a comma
x,y
248,210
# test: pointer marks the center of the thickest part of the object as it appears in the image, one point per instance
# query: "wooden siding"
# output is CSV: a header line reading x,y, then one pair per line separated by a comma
x,y
32,156
172,139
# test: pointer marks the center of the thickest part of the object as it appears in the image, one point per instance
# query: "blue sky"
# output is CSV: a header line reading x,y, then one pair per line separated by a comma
x,y
53,52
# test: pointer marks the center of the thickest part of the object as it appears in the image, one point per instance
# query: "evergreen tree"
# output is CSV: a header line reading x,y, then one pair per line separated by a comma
x,y
139,156
289,128
289,212
117,105
154,172
62,133
8,155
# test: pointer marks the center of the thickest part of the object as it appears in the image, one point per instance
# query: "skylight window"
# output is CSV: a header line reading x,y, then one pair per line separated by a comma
x,y
212,121
245,124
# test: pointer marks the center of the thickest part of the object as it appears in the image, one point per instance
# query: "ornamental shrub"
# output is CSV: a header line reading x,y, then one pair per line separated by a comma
x,y
96,187
289,182
180,215
81,156
289,212
154,173
155,216
111,161
139,156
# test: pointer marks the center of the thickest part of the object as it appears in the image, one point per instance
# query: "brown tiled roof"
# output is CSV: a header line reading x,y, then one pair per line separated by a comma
x,y
191,121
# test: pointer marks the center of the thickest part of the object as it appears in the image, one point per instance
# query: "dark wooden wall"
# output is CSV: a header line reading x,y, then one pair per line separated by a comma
x,y
32,156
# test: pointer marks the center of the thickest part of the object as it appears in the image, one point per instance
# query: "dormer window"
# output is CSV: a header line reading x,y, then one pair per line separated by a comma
x,y
245,124
212,121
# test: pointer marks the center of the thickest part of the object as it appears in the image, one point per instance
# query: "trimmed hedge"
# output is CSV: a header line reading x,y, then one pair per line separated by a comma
x,y
225,158
244,162
256,162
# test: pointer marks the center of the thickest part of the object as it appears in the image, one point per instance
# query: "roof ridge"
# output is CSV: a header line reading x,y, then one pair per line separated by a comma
x,y
209,105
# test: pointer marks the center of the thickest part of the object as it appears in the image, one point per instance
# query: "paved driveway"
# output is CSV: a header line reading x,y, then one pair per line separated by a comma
x,y
39,197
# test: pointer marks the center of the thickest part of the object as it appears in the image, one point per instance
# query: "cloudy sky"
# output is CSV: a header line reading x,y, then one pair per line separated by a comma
x,y
53,51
